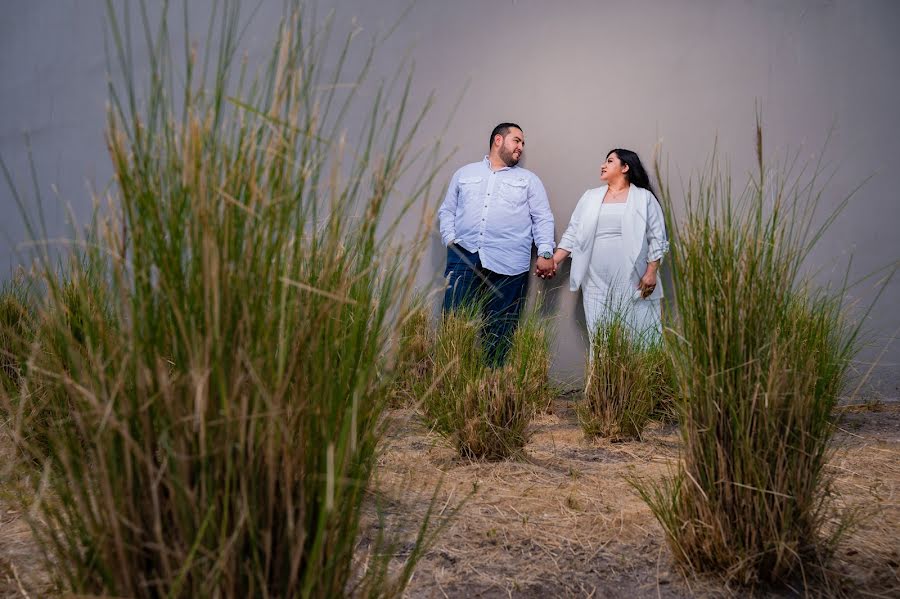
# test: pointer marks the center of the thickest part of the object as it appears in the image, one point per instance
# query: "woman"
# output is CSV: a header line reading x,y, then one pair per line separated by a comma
x,y
617,238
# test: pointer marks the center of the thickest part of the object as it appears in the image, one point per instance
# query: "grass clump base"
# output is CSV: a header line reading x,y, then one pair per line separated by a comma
x,y
485,412
626,381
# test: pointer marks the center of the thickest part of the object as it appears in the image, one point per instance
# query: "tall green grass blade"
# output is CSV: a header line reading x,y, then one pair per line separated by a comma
x,y
208,396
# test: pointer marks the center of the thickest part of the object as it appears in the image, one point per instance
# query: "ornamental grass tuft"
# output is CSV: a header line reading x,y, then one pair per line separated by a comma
x,y
759,359
414,359
17,324
486,412
211,380
626,381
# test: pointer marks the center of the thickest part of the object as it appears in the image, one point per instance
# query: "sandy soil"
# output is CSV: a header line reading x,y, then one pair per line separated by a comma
x,y
564,521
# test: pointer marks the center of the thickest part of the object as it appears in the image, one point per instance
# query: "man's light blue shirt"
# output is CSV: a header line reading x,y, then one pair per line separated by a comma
x,y
497,214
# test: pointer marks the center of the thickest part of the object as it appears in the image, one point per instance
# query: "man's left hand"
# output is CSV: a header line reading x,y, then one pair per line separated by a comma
x,y
545,268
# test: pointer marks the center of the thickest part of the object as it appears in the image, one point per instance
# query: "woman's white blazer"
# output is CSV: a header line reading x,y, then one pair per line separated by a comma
x,y
643,234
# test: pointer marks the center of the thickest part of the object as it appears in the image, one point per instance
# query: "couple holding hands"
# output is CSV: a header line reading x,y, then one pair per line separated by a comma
x,y
494,210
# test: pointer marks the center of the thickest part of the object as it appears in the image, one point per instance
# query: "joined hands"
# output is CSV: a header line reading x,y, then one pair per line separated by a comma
x,y
546,267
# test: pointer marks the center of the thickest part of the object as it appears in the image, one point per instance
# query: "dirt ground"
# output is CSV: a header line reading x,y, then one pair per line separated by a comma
x,y
564,521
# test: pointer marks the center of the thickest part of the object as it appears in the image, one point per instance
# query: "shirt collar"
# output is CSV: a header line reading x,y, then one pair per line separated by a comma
x,y
487,162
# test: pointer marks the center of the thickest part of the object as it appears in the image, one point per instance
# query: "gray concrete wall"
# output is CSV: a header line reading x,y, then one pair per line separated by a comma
x,y
581,77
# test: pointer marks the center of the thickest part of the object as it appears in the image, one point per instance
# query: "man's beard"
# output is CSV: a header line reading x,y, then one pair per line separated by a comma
x,y
507,157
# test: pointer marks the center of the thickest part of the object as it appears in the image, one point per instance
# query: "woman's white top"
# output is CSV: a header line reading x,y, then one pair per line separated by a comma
x,y
598,251
605,269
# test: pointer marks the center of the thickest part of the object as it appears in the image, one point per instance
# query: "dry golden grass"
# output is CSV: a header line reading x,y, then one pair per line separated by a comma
x,y
564,522
21,573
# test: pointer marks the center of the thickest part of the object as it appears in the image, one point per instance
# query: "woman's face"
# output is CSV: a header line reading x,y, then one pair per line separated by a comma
x,y
612,169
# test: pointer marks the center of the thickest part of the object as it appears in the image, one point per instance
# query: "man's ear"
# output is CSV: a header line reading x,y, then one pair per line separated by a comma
x,y
496,143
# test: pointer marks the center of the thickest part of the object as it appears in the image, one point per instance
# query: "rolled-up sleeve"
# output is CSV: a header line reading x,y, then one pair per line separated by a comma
x,y
541,216
657,241
447,211
570,237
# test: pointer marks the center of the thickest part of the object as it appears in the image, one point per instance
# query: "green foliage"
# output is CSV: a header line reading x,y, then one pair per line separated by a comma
x,y
759,360
414,359
218,355
485,412
17,325
626,381
659,361
530,361
61,323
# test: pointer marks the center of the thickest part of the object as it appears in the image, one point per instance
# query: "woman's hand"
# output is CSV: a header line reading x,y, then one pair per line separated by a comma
x,y
559,255
648,282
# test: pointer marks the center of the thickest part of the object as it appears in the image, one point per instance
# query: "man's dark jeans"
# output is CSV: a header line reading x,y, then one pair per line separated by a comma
x,y
502,295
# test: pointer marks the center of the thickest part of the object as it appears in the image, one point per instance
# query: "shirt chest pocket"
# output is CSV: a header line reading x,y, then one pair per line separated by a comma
x,y
469,189
514,192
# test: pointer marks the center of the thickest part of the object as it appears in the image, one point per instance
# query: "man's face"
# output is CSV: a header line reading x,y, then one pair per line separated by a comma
x,y
512,147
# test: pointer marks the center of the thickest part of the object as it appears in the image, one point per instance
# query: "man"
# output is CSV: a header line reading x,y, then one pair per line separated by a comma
x,y
493,211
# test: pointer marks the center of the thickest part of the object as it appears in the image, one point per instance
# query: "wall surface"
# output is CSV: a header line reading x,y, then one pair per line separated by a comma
x,y
581,76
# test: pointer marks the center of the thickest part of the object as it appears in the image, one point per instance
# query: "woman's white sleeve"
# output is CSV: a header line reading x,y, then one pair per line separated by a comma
x,y
570,239
657,242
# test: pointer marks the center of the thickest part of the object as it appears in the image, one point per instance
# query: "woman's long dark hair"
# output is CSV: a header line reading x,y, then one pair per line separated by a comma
x,y
636,173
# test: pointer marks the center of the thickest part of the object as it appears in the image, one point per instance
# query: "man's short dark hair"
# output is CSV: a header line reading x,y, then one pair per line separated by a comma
x,y
502,129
